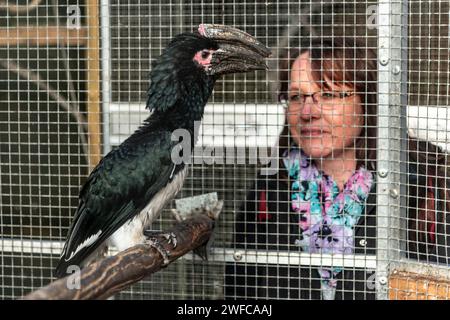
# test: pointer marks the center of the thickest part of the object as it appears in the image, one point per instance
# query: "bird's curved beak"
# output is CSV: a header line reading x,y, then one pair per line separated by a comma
x,y
238,51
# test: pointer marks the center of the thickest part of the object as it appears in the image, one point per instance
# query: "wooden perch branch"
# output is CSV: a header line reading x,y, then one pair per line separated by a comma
x,y
104,278
43,36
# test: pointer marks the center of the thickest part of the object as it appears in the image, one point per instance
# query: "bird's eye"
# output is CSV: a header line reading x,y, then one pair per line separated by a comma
x,y
205,54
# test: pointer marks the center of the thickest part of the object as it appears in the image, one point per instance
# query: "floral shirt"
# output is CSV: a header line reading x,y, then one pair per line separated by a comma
x,y
326,216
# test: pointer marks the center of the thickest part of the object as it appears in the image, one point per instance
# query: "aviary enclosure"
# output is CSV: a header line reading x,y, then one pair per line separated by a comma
x,y
74,76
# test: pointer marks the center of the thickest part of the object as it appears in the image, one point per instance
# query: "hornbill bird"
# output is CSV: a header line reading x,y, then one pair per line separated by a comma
x,y
131,185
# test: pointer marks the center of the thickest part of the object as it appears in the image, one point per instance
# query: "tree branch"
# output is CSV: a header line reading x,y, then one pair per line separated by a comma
x,y
104,278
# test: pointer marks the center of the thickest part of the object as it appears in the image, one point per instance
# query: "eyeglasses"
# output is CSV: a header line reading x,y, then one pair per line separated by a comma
x,y
320,97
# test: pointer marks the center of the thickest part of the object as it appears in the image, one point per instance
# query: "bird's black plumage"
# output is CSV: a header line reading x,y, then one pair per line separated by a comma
x,y
129,177
173,81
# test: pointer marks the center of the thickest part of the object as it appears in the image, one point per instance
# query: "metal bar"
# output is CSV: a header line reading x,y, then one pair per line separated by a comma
x,y
106,71
294,258
31,246
389,154
383,180
402,77
218,255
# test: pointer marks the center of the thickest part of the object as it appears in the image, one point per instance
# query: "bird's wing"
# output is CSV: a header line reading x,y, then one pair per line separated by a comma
x,y
118,189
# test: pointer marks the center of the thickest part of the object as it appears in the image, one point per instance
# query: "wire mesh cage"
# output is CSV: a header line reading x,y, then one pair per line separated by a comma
x,y
74,76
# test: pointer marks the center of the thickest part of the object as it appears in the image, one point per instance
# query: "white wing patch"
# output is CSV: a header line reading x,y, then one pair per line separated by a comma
x,y
131,233
86,243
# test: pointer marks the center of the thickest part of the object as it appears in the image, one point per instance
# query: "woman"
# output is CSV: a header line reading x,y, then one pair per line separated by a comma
x,y
323,198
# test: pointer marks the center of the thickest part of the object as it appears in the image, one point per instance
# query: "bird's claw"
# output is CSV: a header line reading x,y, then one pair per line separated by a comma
x,y
171,239
153,242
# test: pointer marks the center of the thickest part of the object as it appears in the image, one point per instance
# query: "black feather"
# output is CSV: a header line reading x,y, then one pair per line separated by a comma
x,y
127,178
175,68
120,187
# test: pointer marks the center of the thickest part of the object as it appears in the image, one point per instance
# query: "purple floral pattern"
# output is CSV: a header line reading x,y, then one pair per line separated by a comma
x,y
326,216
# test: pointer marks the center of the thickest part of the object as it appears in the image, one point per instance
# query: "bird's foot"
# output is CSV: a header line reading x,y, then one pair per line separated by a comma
x,y
154,242
170,237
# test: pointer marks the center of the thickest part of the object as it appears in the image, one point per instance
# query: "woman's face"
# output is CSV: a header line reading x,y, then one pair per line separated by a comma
x,y
323,126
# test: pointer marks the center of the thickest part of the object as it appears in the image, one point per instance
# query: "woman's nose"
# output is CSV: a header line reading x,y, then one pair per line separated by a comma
x,y
310,109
